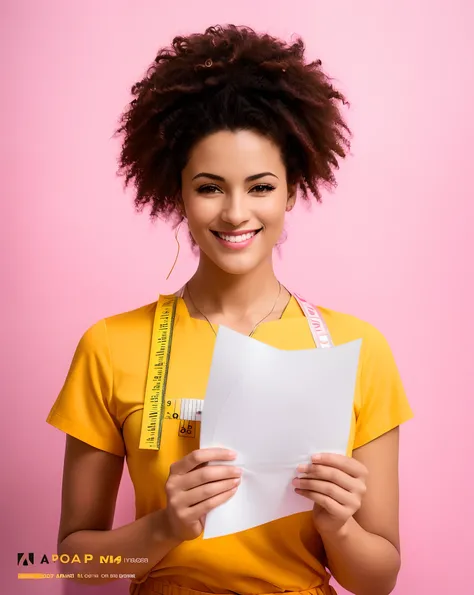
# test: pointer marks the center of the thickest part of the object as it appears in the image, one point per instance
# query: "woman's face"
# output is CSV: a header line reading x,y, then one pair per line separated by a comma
x,y
235,196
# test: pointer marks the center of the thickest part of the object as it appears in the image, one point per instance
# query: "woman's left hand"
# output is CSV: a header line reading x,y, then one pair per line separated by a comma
x,y
336,484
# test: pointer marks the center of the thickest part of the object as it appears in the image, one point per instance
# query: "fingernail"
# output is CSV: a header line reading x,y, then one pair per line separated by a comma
x,y
237,481
301,468
317,457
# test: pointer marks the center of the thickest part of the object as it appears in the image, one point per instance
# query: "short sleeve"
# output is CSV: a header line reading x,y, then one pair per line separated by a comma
x,y
83,406
383,402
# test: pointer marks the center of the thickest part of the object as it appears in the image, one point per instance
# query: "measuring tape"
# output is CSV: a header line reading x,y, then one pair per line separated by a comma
x,y
188,411
153,410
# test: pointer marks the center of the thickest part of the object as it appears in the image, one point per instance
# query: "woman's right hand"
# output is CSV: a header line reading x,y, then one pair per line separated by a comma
x,y
194,488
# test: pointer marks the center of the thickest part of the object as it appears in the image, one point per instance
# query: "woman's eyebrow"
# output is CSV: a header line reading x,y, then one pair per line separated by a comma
x,y
221,179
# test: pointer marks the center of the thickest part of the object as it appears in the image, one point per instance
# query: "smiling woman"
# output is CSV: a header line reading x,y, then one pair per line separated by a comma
x,y
236,219
223,132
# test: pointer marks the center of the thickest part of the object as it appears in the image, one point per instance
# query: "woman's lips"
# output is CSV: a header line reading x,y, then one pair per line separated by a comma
x,y
236,240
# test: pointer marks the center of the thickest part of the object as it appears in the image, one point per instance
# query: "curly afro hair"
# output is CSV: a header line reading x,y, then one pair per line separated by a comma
x,y
230,78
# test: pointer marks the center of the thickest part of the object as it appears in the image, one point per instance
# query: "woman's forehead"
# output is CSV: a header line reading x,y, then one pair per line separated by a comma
x,y
243,153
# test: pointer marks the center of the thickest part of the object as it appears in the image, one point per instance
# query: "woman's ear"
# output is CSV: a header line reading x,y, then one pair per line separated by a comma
x,y
180,208
290,203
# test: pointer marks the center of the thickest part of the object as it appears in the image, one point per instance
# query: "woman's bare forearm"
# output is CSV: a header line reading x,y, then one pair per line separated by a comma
x,y
361,562
116,552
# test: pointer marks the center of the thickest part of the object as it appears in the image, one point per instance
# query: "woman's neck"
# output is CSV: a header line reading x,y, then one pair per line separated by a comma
x,y
217,293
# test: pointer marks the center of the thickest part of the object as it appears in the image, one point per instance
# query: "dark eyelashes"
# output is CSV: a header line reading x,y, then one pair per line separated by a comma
x,y
209,188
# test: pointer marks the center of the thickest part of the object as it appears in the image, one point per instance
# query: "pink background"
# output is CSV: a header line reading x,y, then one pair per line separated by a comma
x,y
390,246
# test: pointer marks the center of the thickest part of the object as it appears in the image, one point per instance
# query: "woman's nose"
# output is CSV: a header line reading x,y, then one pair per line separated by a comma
x,y
235,210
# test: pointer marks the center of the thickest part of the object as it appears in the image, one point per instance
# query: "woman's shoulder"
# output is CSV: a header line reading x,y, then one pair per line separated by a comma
x,y
345,327
130,326
141,314
380,402
347,324
120,327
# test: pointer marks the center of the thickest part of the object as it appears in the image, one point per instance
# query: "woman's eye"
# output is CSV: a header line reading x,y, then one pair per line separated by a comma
x,y
263,188
208,189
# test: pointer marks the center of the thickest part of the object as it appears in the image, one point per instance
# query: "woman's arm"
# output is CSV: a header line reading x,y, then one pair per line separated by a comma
x,y
91,480
364,555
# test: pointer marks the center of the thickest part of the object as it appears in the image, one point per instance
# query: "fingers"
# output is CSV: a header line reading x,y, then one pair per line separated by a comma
x,y
194,513
329,474
204,475
325,488
202,482
334,482
194,488
333,507
208,491
208,495
199,457
348,465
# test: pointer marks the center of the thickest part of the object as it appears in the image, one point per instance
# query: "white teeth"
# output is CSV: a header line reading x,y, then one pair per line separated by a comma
x,y
237,239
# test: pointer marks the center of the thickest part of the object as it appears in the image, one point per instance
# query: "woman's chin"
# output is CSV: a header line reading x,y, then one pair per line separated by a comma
x,y
236,264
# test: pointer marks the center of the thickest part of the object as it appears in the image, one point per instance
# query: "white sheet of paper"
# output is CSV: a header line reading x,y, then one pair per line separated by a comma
x,y
275,408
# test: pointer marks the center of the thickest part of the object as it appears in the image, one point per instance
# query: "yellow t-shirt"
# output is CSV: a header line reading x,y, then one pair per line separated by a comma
x,y
101,403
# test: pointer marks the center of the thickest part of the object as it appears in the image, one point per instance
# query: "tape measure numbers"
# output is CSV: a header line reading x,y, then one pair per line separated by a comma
x,y
153,410
188,411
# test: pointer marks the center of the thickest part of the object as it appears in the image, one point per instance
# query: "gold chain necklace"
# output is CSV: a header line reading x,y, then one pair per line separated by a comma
x,y
254,328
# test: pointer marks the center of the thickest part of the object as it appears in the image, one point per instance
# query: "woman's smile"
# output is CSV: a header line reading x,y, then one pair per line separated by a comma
x,y
236,240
